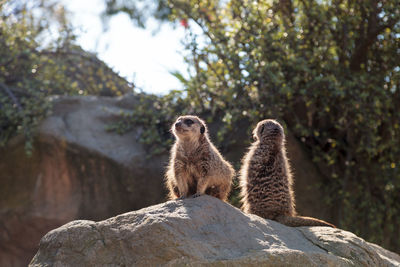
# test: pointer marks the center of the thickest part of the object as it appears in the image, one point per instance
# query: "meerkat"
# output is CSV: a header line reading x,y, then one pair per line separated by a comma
x,y
266,179
196,167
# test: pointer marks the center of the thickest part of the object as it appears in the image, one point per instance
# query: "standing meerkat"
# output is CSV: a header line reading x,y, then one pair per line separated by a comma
x,y
266,180
196,167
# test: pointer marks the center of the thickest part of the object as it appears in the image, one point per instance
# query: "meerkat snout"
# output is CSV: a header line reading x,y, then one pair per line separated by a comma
x,y
188,126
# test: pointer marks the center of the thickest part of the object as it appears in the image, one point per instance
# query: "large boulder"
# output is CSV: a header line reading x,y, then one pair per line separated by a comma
x,y
203,231
78,170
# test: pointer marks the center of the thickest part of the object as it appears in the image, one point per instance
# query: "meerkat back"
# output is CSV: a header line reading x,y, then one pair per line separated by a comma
x,y
266,179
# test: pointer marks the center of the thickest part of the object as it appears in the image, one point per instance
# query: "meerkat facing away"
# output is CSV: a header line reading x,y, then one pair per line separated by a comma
x,y
266,179
196,167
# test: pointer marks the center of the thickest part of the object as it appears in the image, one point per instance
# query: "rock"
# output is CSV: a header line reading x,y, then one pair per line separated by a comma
x,y
203,231
78,170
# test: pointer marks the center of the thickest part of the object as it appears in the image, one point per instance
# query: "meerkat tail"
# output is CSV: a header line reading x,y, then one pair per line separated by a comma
x,y
295,221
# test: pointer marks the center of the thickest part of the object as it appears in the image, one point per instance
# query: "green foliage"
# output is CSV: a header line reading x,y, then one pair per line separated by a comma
x,y
329,69
31,71
138,11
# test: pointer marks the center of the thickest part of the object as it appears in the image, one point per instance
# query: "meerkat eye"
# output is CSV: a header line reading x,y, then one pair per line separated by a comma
x,y
188,122
262,128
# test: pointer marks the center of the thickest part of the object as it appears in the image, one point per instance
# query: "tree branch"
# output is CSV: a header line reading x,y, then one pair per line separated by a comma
x,y
365,40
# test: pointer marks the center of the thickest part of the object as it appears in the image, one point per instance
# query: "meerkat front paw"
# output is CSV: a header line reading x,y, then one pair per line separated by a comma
x,y
197,195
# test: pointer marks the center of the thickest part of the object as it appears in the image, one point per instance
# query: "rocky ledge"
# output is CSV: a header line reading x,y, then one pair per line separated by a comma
x,y
203,231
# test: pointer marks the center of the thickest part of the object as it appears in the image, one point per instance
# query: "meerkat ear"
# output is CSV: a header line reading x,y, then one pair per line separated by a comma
x,y
255,138
202,129
254,134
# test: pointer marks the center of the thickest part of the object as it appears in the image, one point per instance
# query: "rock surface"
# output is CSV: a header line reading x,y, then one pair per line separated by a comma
x,y
202,231
78,170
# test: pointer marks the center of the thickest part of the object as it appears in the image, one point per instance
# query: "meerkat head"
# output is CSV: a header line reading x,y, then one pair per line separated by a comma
x,y
269,130
189,127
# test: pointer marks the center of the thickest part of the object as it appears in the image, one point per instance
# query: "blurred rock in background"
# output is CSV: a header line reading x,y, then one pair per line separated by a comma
x,y
78,170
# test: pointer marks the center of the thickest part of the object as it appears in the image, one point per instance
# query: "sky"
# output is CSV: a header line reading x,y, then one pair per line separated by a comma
x,y
136,54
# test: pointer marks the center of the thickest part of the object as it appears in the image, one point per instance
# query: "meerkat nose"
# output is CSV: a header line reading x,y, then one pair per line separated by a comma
x,y
178,124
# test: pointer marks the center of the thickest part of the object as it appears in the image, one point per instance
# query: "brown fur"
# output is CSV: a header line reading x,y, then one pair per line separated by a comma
x,y
266,180
196,167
